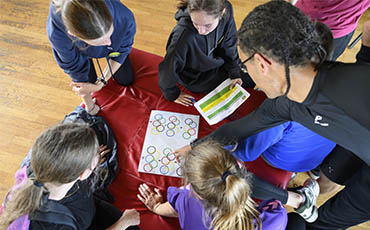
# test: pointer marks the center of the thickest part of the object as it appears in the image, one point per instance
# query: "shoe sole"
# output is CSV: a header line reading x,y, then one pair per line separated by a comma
x,y
313,216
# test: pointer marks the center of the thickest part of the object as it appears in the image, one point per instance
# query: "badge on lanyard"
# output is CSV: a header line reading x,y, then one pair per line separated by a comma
x,y
114,54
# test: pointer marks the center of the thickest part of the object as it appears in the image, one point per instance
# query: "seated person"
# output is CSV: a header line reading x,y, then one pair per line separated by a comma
x,y
63,157
311,93
217,196
80,31
291,147
201,50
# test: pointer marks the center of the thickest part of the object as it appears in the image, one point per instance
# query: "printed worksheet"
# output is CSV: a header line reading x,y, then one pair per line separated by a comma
x,y
166,132
221,102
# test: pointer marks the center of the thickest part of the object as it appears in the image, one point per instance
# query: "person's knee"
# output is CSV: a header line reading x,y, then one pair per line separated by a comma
x,y
326,185
125,74
366,34
125,81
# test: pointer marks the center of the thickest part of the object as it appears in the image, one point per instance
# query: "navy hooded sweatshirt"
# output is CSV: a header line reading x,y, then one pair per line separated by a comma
x,y
72,54
199,62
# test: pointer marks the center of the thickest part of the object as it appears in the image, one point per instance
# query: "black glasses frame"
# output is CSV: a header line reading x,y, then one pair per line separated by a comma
x,y
242,65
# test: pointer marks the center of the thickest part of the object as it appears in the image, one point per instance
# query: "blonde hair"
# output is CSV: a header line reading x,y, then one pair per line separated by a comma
x,y
226,199
86,19
59,156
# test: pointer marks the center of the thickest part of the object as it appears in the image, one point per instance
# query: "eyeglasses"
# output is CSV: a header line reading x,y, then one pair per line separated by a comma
x,y
242,65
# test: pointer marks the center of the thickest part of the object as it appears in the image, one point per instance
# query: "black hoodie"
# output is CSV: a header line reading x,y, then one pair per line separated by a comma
x,y
199,62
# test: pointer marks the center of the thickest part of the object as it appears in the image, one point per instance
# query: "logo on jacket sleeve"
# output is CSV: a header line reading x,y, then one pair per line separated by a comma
x,y
318,119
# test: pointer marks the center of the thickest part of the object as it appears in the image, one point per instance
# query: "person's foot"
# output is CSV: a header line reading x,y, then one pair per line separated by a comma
x,y
310,192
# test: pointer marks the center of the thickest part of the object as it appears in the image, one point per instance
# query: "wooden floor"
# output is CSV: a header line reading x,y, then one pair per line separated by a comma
x,y
35,92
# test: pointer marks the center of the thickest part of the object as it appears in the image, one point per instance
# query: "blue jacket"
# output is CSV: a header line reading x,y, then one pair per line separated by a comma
x,y
72,54
289,146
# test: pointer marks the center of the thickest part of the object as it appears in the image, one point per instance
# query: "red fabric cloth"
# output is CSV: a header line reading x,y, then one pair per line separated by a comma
x,y
127,110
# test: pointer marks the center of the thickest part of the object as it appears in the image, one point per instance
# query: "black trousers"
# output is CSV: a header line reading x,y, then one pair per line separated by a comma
x,y
295,222
351,206
340,45
124,75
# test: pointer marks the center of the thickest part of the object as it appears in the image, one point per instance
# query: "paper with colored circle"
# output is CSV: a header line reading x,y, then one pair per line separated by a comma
x,y
221,102
166,132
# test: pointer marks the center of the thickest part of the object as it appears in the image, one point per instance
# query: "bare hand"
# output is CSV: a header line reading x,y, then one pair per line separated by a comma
x,y
366,34
182,152
130,217
83,88
103,150
235,81
149,198
184,99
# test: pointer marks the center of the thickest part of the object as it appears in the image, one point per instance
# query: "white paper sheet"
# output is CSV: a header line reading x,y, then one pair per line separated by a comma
x,y
221,102
166,132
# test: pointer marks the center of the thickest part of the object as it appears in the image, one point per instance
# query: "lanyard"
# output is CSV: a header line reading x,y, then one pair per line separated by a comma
x,y
110,55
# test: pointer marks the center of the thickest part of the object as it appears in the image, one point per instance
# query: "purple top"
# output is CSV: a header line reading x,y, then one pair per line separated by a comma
x,y
339,15
190,210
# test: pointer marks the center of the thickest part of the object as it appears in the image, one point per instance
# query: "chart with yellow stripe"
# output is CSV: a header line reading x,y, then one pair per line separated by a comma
x,y
221,102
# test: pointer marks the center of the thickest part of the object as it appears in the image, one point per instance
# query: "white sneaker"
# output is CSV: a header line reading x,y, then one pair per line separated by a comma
x,y
310,191
314,173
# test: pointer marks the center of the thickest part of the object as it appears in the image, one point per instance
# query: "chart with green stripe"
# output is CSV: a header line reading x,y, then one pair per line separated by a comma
x,y
221,102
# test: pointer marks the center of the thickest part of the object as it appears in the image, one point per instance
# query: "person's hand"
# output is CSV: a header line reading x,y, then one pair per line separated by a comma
x,y
130,217
103,150
235,81
83,88
149,198
366,34
182,152
184,99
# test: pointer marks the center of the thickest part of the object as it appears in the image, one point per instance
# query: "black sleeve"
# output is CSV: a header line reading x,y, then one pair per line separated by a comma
x,y
270,113
106,214
263,190
172,65
363,56
229,46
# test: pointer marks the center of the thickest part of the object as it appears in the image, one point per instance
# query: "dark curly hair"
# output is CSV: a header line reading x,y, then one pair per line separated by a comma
x,y
282,32
327,39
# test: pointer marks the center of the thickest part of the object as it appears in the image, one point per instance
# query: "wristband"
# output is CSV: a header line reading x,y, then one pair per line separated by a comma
x,y
102,80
